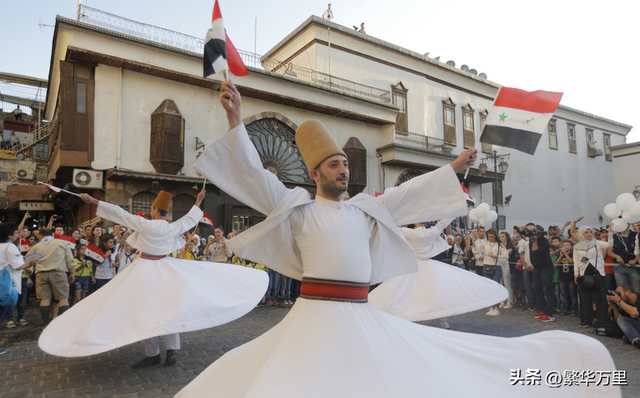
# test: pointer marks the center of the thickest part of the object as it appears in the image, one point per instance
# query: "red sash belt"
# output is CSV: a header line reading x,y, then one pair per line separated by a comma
x,y
325,289
152,257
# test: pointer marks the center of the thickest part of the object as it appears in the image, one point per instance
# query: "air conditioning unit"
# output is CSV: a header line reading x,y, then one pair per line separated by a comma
x,y
89,179
24,174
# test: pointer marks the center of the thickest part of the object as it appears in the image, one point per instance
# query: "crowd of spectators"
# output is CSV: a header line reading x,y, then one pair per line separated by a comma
x,y
589,273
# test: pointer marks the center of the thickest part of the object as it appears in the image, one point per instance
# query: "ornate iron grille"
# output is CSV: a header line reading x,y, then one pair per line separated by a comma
x,y
278,151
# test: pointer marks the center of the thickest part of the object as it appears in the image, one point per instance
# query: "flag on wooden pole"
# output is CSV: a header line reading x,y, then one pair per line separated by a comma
x,y
518,118
219,53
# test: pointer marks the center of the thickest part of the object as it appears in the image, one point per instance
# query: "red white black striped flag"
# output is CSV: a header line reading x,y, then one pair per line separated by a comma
x,y
219,53
518,118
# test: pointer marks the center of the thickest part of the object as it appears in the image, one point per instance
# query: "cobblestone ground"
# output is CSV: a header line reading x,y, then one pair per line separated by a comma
x,y
25,371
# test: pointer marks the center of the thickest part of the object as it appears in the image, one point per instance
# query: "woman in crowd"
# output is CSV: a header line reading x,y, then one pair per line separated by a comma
x,y
209,248
84,273
106,270
459,252
508,267
588,269
221,252
96,235
11,259
494,257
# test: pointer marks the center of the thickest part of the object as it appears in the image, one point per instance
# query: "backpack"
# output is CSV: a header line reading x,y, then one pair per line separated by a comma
x,y
8,292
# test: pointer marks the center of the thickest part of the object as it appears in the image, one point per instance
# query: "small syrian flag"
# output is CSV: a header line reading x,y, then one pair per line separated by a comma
x,y
94,253
207,220
24,246
376,194
470,200
219,53
51,187
141,214
68,239
518,118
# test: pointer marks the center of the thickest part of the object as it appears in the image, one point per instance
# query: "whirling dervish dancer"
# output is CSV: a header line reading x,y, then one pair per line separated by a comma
x,y
333,343
437,290
155,295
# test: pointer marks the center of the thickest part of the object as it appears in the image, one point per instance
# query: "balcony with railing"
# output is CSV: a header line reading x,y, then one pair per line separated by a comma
x,y
423,142
181,41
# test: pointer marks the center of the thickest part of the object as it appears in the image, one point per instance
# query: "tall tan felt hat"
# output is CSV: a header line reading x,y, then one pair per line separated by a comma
x,y
316,144
162,201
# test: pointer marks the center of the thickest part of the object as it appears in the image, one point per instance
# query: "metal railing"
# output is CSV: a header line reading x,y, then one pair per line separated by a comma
x,y
424,142
38,135
182,41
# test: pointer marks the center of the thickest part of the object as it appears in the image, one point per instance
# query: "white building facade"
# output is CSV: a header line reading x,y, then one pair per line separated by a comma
x,y
139,111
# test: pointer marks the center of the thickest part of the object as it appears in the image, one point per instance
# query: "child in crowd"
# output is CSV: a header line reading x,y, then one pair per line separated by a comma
x,y
84,272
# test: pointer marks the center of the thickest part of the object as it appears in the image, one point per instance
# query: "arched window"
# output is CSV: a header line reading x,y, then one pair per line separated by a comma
x,y
407,175
181,205
275,142
142,202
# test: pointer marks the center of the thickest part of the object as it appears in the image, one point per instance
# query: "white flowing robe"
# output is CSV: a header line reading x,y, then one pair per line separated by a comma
x,y
437,290
154,297
343,349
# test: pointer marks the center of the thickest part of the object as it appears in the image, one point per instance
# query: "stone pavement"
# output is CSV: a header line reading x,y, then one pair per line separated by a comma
x,y
25,371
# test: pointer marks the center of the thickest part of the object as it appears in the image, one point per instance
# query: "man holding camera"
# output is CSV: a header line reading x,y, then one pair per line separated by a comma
x,y
624,300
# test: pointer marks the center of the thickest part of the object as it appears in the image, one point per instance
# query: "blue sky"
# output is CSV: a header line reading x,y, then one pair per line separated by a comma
x,y
586,49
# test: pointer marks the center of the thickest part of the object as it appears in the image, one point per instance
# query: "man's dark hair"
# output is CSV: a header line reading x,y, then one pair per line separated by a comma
x,y
163,213
628,289
218,227
6,230
46,232
556,238
480,228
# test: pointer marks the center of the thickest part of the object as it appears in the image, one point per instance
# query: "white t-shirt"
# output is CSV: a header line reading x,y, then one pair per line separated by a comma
x,y
10,257
523,247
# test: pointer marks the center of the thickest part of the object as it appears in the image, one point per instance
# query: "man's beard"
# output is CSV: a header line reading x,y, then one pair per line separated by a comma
x,y
332,188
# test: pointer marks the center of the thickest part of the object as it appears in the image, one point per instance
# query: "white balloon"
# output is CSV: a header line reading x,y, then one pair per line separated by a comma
x,y
472,215
611,210
482,221
482,210
634,210
625,201
630,218
491,216
618,225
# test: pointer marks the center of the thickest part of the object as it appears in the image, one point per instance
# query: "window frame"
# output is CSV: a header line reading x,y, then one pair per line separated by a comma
x,y
553,133
571,136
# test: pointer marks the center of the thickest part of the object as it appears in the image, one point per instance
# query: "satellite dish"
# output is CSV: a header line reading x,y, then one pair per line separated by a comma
x,y
465,68
437,58
451,63
473,72
483,75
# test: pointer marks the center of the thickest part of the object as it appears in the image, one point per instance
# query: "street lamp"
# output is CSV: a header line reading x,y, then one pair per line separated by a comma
x,y
499,163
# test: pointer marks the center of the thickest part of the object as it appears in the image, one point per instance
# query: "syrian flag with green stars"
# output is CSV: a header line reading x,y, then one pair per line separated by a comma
x,y
518,118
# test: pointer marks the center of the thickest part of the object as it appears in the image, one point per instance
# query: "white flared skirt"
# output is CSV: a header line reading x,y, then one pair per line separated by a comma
x,y
437,290
153,298
335,349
